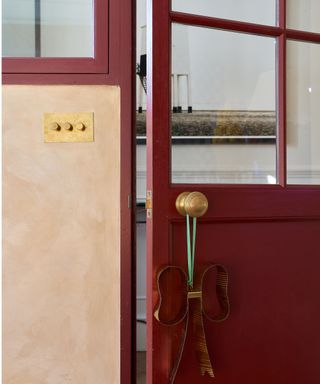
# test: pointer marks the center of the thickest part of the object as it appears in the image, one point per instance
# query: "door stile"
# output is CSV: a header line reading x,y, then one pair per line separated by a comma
x,y
281,96
158,158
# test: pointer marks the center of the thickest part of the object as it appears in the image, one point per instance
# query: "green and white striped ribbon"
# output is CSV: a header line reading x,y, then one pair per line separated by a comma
x,y
191,248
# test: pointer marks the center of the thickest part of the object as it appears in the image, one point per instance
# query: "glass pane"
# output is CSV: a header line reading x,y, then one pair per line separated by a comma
x,y
303,15
18,28
47,28
254,11
224,119
303,113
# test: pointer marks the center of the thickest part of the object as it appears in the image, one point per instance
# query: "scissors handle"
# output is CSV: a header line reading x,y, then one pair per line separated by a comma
x,y
192,303
172,284
221,292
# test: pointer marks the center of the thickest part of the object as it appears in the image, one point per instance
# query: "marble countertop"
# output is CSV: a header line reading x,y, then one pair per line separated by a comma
x,y
217,123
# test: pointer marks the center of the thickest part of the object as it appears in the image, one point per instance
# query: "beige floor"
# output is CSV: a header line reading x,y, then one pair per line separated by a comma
x,y
141,367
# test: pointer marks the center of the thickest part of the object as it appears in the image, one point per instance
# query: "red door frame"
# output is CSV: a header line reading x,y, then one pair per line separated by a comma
x,y
267,202
114,64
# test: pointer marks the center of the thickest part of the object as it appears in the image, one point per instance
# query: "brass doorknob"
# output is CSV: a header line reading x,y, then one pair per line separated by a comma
x,y
194,204
180,203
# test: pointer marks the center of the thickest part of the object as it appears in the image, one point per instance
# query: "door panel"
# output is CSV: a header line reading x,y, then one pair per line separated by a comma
x,y
271,335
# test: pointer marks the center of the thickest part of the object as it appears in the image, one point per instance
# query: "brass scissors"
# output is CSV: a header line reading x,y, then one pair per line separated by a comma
x,y
174,307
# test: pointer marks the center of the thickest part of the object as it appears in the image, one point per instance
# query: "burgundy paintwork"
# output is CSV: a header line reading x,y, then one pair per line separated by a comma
x,y
231,25
115,65
266,236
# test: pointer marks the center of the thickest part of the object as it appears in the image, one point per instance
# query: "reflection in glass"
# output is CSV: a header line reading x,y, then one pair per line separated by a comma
x,y
254,11
18,28
303,113
47,28
303,15
223,102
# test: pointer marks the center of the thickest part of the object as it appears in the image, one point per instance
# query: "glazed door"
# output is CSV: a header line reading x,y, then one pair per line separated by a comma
x,y
233,95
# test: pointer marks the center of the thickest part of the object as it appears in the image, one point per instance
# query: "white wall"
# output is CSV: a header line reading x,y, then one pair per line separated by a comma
x,y
303,112
255,11
218,163
303,14
228,70
18,28
66,28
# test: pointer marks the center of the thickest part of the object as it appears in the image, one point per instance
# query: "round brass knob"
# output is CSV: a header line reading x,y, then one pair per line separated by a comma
x,y
67,126
80,126
196,204
54,126
180,203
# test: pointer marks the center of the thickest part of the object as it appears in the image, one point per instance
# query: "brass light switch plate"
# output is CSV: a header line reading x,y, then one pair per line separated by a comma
x,y
68,127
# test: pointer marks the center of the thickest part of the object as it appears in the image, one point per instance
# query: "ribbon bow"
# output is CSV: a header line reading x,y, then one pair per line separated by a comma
x,y
172,309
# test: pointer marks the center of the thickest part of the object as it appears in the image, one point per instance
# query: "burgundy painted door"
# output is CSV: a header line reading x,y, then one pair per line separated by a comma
x,y
265,234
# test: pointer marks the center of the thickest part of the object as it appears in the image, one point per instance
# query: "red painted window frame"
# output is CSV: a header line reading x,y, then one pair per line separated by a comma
x,y
97,64
282,34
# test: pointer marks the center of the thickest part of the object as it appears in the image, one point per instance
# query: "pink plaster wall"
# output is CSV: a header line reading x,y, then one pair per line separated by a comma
x,y
61,232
